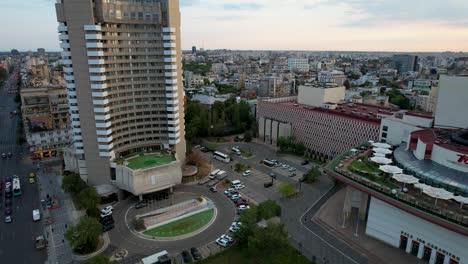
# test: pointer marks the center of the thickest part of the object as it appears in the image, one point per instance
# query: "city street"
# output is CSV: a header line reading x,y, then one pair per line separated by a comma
x,y
17,238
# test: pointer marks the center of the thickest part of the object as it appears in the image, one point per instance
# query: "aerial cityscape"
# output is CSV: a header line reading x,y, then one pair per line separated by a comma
x,y
232,132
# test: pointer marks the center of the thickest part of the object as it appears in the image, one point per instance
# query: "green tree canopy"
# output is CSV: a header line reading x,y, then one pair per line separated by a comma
x,y
287,190
89,198
268,209
83,237
312,175
73,183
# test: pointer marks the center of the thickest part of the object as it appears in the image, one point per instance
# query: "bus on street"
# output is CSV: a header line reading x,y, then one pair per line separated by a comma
x,y
16,186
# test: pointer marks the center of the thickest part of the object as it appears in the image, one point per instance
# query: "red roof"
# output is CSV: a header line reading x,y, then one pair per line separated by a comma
x,y
440,137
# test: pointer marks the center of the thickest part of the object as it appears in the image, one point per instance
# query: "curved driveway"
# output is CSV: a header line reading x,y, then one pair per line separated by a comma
x,y
121,237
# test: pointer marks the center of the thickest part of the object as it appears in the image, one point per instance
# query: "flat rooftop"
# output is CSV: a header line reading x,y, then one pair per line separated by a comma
x,y
353,110
443,138
148,160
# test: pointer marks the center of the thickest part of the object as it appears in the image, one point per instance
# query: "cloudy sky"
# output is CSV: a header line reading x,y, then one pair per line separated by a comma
x,y
386,25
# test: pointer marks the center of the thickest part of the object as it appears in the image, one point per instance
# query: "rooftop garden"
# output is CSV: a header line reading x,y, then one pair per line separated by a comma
x,y
143,161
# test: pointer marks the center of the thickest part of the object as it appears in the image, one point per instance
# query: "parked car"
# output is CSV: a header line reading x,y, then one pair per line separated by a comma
x,y
186,256
268,184
291,169
195,253
292,174
222,242
247,173
228,238
7,202
106,214
243,207
305,162
9,154
213,189
272,175
32,181
239,186
8,219
107,209
285,166
235,196
107,227
7,211
141,205
4,155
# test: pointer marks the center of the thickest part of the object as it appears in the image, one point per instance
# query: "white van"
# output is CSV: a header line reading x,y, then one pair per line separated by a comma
x,y
236,151
36,215
236,182
213,173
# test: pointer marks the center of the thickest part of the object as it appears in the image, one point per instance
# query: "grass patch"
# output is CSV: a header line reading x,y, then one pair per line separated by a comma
x,y
245,154
183,226
232,255
365,166
149,160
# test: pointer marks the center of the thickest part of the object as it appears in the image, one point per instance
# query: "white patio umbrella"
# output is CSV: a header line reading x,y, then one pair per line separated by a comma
x,y
382,150
390,169
381,145
421,186
379,155
381,160
438,193
461,199
405,178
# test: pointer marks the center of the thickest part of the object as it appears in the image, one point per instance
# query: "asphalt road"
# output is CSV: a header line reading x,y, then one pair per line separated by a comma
x,y
17,238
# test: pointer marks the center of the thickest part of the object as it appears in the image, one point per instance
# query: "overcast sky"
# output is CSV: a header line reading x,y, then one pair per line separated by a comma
x,y
383,25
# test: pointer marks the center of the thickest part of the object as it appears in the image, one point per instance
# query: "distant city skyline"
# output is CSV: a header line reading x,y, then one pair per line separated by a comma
x,y
347,25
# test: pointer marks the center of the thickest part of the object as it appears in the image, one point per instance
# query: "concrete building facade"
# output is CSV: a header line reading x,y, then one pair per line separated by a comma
x,y
452,104
123,72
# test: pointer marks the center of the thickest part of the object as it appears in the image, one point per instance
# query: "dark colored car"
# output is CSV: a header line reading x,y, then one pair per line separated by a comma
x,y
186,256
7,211
7,179
268,184
8,193
107,227
204,149
7,202
305,162
107,221
195,253
141,205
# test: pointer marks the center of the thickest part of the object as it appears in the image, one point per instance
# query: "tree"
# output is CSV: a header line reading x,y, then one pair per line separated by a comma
x,y
73,183
100,259
287,190
268,209
89,198
284,143
248,218
248,136
347,84
299,148
139,224
383,81
83,237
312,175
265,244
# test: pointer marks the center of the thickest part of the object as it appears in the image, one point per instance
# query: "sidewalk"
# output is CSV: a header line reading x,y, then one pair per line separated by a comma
x,y
58,249
330,218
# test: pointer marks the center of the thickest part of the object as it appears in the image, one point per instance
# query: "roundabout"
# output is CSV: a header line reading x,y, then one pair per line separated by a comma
x,y
175,224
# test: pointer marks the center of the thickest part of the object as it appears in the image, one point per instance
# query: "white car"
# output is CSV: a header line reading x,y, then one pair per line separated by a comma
x,y
243,207
228,191
228,238
247,173
36,215
234,226
284,166
107,209
239,186
235,196
106,214
292,169
222,242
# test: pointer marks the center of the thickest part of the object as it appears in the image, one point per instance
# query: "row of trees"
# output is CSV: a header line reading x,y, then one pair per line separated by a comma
x,y
288,145
265,244
83,237
397,98
222,118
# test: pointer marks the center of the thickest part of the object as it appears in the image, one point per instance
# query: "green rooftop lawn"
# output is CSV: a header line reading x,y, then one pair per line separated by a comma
x,y
149,160
366,166
182,226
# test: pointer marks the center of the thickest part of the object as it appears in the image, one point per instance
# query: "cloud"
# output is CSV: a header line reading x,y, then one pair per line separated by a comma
x,y
364,13
243,6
